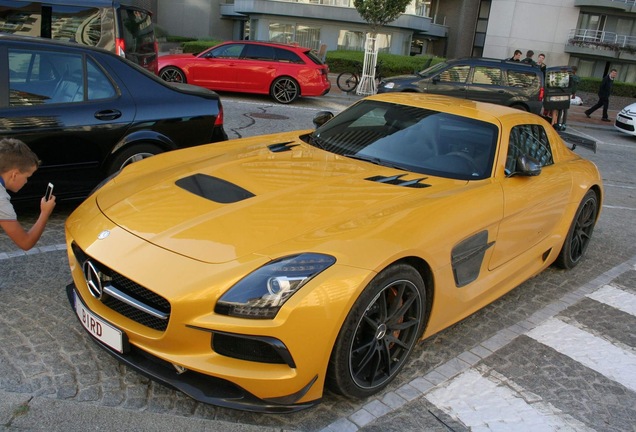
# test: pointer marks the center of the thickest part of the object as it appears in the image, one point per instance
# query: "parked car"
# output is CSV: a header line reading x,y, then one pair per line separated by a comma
x,y
626,120
285,72
514,84
309,258
87,112
122,26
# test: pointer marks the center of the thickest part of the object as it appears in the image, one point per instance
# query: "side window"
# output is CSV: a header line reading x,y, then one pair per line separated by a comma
x,y
258,52
523,79
231,51
99,86
43,77
457,74
287,56
530,140
487,75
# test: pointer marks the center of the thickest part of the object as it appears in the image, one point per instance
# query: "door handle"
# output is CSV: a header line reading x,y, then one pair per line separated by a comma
x,y
110,114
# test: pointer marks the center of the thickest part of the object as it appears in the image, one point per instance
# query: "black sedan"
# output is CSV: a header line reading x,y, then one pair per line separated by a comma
x,y
87,113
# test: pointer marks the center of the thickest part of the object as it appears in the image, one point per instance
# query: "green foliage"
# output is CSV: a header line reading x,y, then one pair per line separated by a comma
x,y
199,45
380,12
392,64
623,89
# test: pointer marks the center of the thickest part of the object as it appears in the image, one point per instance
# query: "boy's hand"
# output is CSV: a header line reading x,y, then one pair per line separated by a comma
x,y
46,207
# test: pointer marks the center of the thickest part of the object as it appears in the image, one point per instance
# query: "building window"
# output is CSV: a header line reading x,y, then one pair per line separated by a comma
x,y
480,28
354,41
303,35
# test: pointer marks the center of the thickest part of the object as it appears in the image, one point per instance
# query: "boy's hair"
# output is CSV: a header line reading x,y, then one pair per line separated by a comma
x,y
16,154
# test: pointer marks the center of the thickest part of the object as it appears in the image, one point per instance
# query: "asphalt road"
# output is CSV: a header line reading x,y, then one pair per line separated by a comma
x,y
556,353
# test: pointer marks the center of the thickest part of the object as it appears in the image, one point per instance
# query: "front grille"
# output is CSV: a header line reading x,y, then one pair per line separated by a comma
x,y
140,299
624,126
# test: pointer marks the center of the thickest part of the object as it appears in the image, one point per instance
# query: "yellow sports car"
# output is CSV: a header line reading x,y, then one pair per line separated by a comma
x,y
252,273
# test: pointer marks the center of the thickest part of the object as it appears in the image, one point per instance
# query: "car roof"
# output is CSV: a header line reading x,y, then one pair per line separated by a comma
x,y
491,61
292,46
49,42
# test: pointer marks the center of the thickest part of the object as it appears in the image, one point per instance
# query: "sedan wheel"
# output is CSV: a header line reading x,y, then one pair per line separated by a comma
x,y
379,333
285,90
580,232
172,74
132,154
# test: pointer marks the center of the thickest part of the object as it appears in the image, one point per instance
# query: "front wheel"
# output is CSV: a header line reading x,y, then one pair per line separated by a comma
x,y
172,74
347,81
379,333
580,233
285,90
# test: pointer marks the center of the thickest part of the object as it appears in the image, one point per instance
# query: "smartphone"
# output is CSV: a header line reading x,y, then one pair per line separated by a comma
x,y
49,192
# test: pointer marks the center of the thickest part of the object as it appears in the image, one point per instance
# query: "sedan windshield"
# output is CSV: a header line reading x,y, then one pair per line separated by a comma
x,y
411,138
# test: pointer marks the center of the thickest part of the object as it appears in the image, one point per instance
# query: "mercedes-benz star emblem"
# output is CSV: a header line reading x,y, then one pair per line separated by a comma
x,y
93,280
102,235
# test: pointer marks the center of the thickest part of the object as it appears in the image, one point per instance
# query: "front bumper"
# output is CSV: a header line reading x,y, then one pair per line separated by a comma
x,y
201,387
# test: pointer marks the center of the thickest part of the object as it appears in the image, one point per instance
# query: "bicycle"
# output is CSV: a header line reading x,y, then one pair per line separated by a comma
x,y
348,81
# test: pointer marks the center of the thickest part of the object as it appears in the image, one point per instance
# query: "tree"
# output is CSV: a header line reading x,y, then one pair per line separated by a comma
x,y
377,13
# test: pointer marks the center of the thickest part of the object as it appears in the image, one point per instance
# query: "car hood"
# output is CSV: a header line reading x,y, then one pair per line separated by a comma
x,y
233,200
401,78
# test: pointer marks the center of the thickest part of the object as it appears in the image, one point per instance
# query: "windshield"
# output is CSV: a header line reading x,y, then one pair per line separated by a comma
x,y
432,70
411,138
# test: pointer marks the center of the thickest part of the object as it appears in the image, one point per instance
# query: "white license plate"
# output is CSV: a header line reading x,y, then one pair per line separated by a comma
x,y
559,98
100,329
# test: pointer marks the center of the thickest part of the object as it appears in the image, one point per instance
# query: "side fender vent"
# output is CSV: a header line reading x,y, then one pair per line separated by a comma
x,y
397,181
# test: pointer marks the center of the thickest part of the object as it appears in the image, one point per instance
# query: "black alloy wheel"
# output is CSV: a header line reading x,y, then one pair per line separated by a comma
x,y
580,233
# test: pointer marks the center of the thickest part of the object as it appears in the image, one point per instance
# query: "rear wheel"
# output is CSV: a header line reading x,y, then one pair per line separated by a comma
x,y
172,74
379,333
347,81
132,154
580,232
285,90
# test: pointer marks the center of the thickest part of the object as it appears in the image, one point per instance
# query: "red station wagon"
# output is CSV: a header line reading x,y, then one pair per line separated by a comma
x,y
283,71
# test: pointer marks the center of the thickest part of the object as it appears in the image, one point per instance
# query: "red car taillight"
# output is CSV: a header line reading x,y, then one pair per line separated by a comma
x,y
541,94
120,47
219,118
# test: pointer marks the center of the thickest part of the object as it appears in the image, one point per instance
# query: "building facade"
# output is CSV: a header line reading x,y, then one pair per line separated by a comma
x,y
595,35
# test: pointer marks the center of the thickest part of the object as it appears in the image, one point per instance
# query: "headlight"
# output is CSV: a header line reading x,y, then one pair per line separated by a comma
x,y
389,85
262,293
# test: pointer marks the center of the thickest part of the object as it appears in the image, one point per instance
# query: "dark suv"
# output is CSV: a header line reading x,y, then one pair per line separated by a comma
x,y
515,84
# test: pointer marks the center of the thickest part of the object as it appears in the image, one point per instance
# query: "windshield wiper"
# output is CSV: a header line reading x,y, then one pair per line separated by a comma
x,y
375,161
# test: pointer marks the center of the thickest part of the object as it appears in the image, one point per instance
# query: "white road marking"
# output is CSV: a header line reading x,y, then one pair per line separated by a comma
x,y
591,351
615,298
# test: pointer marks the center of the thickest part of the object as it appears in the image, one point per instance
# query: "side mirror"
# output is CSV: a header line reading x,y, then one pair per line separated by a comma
x,y
527,166
322,117
435,79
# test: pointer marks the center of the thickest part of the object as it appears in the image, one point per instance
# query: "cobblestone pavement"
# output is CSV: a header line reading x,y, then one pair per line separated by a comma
x,y
556,353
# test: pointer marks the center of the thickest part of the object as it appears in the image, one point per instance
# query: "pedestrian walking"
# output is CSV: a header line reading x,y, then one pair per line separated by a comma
x,y
17,164
603,95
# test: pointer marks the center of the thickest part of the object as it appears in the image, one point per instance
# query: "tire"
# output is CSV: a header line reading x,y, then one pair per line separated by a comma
x,y
580,232
520,107
172,74
131,154
379,333
284,90
347,81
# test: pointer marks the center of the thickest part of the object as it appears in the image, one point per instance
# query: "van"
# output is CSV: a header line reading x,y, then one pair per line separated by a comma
x,y
124,27
514,84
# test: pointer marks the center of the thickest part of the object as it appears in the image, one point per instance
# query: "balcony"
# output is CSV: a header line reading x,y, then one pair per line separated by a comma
x,y
601,44
622,5
332,10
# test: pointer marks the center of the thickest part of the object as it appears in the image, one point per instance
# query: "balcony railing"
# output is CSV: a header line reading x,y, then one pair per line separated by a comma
x,y
602,40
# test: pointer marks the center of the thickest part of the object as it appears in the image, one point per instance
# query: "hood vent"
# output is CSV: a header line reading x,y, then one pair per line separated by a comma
x,y
397,180
214,189
281,147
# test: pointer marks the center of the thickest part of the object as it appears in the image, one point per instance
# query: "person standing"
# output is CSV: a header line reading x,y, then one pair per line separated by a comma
x,y
17,164
516,57
529,59
574,81
603,95
541,63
